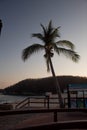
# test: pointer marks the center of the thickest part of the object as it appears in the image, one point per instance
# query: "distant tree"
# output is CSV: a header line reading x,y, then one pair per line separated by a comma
x,y
50,45
0,26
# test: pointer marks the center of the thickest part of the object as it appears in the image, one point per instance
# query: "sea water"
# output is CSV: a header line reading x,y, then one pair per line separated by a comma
x,y
11,98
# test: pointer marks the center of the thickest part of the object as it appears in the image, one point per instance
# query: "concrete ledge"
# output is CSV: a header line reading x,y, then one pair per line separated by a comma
x,y
6,106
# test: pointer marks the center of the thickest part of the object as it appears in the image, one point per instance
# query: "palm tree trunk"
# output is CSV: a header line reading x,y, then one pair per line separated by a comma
x,y
57,85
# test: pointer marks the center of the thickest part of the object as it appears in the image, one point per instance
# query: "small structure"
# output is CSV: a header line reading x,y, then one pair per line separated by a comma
x,y
77,95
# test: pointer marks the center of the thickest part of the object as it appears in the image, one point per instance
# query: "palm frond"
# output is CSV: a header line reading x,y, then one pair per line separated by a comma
x,y
50,28
56,49
47,63
55,33
44,29
27,52
38,35
69,53
65,43
0,25
47,30
75,57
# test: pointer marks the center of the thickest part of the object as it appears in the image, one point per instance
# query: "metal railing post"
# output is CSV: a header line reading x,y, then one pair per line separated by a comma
x,y
55,116
47,101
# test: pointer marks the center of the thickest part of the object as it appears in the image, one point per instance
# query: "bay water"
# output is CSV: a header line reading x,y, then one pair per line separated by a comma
x,y
11,98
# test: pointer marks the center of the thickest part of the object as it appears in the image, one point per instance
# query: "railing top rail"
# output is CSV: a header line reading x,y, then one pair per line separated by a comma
x,y
13,112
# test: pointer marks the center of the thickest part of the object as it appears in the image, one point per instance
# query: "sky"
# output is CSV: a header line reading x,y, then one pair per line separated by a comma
x,y
21,18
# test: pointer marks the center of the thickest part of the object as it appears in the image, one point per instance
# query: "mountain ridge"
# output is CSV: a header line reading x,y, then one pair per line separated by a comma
x,y
42,85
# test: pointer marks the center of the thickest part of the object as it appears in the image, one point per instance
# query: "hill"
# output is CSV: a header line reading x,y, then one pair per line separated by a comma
x,y
40,86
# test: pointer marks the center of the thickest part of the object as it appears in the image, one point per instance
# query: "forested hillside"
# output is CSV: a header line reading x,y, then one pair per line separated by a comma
x,y
40,86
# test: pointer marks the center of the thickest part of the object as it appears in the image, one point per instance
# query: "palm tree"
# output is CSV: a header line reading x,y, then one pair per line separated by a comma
x,y
0,26
50,45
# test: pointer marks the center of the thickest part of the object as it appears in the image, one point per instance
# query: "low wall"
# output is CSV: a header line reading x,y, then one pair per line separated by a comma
x,y
6,106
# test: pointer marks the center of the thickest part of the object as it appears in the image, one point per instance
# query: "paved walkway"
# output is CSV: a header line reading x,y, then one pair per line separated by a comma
x,y
11,122
48,118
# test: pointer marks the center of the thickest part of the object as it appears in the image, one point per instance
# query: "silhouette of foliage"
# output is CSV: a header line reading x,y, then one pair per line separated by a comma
x,y
0,25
